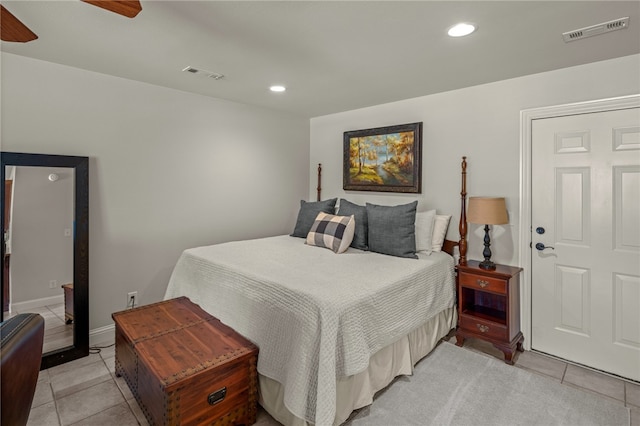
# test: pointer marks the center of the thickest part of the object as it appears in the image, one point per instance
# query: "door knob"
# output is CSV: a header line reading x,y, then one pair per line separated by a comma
x,y
540,247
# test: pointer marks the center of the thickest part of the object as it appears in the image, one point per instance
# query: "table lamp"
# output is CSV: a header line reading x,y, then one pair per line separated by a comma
x,y
487,211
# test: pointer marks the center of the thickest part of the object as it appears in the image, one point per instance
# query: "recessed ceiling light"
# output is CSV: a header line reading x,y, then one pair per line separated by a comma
x,y
277,88
461,30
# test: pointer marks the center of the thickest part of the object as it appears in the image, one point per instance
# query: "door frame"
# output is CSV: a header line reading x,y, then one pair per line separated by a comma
x,y
527,117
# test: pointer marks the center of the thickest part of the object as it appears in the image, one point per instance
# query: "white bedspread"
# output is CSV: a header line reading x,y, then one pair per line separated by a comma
x,y
314,314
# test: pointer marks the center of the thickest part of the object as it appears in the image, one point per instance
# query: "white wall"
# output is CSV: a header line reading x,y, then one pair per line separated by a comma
x,y
168,169
480,122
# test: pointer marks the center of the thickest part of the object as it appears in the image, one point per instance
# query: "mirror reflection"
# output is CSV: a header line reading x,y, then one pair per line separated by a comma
x,y
38,258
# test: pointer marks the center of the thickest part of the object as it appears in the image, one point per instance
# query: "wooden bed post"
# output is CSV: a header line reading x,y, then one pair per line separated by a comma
x,y
462,227
319,188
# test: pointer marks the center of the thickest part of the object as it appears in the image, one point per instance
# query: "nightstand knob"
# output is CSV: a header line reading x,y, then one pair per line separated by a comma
x,y
482,283
483,328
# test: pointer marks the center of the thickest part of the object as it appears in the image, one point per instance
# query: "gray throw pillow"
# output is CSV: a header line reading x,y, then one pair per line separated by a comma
x,y
308,213
392,229
347,208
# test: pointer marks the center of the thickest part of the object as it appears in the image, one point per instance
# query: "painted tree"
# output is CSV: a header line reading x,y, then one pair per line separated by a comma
x,y
391,141
354,153
404,150
358,148
377,142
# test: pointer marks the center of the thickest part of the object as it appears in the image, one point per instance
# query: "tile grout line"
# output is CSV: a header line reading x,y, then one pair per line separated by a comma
x,y
585,389
564,372
55,402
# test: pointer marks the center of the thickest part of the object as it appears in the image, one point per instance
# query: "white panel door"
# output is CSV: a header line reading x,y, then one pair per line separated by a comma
x,y
585,212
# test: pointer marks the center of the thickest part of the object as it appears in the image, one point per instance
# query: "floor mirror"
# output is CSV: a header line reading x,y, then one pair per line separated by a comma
x,y
45,248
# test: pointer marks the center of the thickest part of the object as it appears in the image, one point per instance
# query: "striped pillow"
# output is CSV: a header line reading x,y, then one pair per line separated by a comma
x,y
332,232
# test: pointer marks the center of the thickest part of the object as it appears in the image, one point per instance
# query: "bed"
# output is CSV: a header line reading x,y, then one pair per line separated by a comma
x,y
332,329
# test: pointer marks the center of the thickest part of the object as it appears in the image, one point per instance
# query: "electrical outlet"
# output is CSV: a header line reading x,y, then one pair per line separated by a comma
x,y
53,284
132,299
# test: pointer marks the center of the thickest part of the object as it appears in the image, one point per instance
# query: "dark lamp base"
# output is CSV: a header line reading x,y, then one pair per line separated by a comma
x,y
487,265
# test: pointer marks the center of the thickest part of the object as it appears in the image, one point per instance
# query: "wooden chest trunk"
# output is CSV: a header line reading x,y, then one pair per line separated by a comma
x,y
184,366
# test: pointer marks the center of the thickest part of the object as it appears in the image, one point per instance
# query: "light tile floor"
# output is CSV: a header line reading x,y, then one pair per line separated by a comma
x,y
87,392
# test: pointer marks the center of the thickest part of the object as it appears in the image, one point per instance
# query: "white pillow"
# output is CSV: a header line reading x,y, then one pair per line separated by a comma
x,y
424,230
440,225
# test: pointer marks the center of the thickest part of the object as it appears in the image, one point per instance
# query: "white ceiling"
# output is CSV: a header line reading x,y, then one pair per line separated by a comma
x,y
332,55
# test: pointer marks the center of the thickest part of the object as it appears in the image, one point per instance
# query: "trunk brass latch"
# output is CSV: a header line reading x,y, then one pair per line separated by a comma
x,y
217,396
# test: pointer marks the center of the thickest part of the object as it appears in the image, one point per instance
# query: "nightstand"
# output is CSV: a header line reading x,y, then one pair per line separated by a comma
x,y
489,306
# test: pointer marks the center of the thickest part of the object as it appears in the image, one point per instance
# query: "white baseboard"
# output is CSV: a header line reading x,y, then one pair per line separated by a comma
x,y
102,336
37,303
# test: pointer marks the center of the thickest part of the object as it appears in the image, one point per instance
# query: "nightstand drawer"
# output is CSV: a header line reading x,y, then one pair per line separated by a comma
x,y
483,283
484,328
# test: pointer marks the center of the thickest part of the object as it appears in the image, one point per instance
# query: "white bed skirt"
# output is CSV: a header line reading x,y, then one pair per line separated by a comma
x,y
357,391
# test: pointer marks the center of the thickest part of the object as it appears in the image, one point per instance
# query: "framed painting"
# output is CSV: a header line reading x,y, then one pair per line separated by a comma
x,y
384,159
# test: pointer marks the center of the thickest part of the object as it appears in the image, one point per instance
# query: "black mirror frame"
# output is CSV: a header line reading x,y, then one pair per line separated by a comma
x,y
80,347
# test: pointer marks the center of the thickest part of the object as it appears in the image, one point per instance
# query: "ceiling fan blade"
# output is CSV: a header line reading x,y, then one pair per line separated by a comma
x,y
128,8
11,29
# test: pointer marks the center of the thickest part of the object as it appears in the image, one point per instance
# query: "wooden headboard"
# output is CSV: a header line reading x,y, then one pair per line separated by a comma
x,y
448,245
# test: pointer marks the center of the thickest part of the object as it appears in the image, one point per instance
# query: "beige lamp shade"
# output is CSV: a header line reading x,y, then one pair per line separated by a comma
x,y
487,211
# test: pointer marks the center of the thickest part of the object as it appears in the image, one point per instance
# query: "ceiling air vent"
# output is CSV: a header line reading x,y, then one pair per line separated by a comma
x,y
205,73
605,27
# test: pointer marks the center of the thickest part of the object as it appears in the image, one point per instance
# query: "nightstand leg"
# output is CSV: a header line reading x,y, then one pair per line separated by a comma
x,y
459,339
507,350
508,357
510,348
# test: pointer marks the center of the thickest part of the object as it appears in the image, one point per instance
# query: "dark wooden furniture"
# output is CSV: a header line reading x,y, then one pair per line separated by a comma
x,y
21,348
68,302
489,306
184,366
